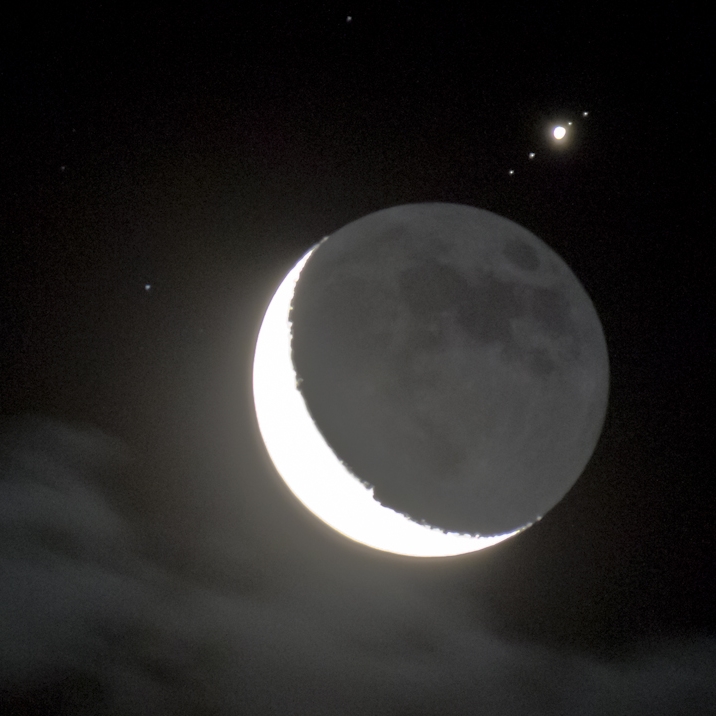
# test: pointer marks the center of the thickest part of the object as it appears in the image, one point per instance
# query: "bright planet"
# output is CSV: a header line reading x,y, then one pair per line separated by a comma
x,y
431,379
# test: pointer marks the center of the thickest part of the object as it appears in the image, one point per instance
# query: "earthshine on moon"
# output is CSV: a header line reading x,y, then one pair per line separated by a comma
x,y
430,380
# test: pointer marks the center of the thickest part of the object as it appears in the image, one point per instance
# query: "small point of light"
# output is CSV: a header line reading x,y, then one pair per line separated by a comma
x,y
569,123
512,171
349,19
584,114
62,168
147,286
559,132
531,155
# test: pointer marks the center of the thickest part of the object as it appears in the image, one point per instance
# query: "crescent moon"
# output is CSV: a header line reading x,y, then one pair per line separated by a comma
x,y
309,467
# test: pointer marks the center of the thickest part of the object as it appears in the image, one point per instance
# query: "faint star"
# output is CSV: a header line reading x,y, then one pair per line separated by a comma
x,y
531,155
349,19
512,171
62,168
147,286
584,114
569,123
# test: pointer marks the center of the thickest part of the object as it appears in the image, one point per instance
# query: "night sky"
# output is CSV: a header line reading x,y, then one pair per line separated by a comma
x,y
162,170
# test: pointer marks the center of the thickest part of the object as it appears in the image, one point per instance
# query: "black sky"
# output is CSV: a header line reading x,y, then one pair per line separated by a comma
x,y
151,559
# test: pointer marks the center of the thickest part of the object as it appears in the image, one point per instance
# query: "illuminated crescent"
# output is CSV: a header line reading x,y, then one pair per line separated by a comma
x,y
310,468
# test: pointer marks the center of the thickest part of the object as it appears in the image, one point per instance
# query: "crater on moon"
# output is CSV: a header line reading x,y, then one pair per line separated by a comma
x,y
453,362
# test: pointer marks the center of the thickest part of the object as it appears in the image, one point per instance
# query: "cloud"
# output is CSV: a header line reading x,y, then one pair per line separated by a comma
x,y
89,623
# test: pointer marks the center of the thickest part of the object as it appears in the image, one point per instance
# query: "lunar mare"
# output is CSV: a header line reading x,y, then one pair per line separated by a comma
x,y
453,363
311,469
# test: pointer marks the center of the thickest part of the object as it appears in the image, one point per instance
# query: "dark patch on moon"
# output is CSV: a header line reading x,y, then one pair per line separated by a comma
x,y
522,255
453,362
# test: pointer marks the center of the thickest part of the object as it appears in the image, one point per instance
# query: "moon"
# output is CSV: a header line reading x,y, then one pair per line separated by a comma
x,y
559,132
430,380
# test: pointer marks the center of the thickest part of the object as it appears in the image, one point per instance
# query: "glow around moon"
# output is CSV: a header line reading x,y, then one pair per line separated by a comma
x,y
310,468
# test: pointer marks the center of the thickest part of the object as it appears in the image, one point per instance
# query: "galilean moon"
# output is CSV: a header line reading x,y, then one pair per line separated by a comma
x,y
431,379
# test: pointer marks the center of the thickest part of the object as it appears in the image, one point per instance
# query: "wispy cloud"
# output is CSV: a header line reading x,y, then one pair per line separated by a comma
x,y
90,623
